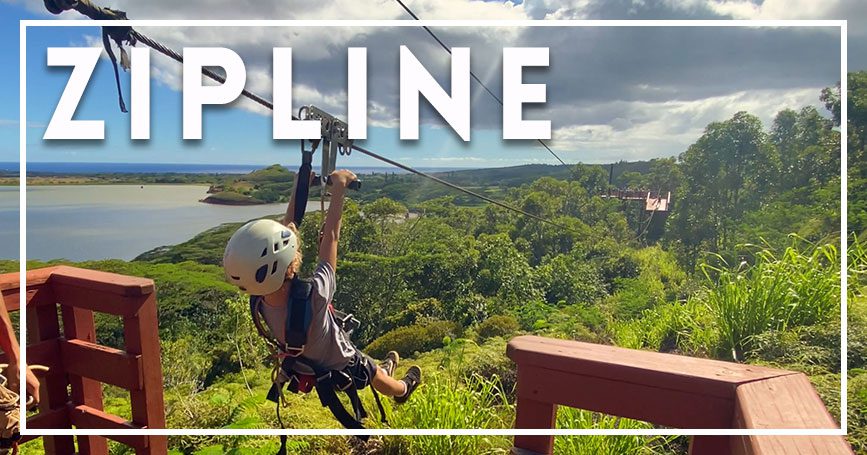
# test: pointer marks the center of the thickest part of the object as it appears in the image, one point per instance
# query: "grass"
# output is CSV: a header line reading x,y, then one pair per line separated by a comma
x,y
598,444
443,403
778,292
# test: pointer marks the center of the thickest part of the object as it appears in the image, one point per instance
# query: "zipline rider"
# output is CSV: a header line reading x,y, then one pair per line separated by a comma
x,y
308,340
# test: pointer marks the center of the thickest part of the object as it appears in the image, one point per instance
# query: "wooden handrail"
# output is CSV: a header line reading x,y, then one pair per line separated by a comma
x,y
72,390
669,390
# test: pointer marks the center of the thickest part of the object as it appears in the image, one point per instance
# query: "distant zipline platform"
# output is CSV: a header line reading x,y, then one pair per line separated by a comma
x,y
654,201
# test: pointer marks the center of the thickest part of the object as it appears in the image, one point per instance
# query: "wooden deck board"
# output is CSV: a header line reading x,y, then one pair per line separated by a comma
x,y
667,371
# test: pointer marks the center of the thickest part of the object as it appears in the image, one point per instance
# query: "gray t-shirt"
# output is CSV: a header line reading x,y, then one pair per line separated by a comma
x,y
326,343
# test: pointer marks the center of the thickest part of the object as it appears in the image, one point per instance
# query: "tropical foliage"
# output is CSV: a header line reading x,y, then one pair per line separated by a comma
x,y
746,268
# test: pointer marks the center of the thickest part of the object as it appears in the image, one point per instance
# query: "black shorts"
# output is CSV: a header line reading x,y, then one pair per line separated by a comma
x,y
362,368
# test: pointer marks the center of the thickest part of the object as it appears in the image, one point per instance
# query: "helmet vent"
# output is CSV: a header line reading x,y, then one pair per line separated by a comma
x,y
262,273
264,252
285,242
277,247
236,278
274,267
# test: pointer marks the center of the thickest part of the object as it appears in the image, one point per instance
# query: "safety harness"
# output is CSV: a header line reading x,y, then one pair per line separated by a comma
x,y
292,369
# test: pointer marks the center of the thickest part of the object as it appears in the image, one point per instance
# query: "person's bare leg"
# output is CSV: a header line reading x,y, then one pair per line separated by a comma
x,y
387,385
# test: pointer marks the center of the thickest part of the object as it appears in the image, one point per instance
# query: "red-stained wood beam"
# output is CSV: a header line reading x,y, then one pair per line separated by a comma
x,y
44,325
78,324
664,406
102,363
35,277
652,369
52,419
111,283
786,402
36,295
90,418
142,338
710,445
86,417
45,353
670,390
72,362
97,300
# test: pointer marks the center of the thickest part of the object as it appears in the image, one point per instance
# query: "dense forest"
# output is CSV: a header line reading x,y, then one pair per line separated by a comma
x,y
746,268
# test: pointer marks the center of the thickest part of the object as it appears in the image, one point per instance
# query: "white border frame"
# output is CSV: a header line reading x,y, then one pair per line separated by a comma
x,y
842,24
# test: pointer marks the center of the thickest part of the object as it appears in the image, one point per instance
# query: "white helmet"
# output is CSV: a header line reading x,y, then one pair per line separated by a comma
x,y
258,255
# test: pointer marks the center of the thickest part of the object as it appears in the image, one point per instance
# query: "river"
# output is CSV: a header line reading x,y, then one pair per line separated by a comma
x,y
82,222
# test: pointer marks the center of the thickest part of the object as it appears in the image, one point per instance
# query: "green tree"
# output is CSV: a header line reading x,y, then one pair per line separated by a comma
x,y
730,170
856,98
504,272
592,178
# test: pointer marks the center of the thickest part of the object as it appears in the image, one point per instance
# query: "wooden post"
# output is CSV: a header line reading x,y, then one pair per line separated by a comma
x,y
709,445
533,414
141,337
78,324
45,326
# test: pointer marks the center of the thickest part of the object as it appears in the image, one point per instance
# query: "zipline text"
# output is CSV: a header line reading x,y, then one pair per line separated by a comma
x,y
415,81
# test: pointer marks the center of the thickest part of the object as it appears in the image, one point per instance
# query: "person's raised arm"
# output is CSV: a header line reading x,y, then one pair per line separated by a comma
x,y
331,228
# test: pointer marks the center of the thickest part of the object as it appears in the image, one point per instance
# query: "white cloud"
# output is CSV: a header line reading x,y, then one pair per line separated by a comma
x,y
632,105
674,125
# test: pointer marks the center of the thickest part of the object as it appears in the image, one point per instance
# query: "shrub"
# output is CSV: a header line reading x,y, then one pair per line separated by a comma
x,y
570,281
412,338
500,325
490,361
816,346
575,322
533,314
417,312
635,295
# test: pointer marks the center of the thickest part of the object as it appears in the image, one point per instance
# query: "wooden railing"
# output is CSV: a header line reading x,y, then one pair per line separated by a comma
x,y
670,390
71,391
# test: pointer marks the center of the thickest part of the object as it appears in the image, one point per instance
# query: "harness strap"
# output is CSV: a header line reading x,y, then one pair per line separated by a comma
x,y
298,320
302,188
382,417
328,397
113,59
282,450
257,321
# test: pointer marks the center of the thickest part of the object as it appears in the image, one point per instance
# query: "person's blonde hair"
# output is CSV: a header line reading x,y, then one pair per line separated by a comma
x,y
295,265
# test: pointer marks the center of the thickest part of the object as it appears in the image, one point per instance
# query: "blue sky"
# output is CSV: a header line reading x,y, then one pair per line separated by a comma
x,y
231,135
656,110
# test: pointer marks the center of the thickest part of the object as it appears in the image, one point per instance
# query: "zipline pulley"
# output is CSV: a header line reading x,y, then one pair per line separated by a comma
x,y
334,141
